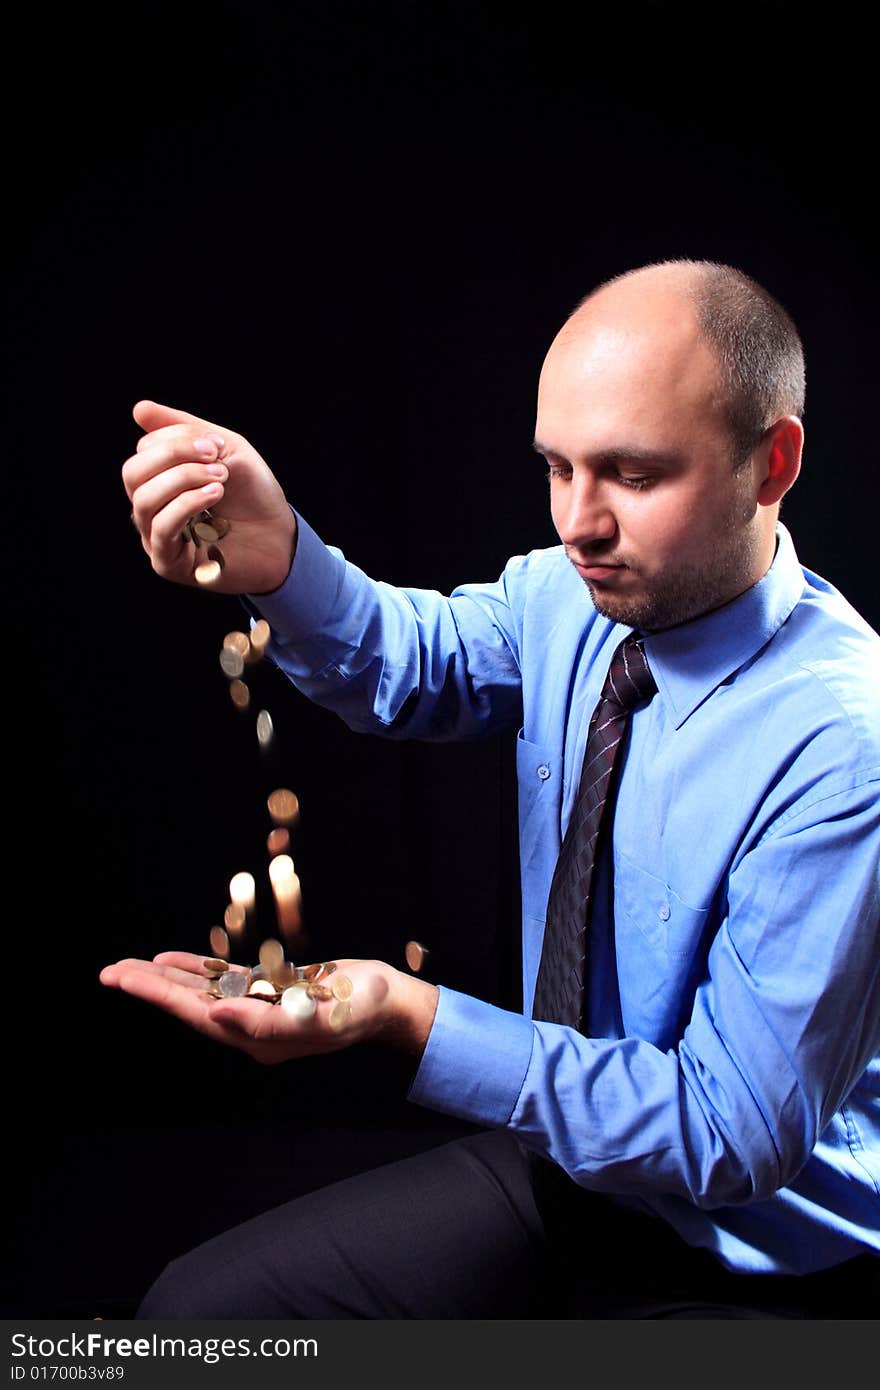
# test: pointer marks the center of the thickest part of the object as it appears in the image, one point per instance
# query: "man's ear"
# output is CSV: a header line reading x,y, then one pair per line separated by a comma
x,y
778,459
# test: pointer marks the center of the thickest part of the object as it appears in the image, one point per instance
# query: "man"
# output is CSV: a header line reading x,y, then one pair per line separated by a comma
x,y
685,1120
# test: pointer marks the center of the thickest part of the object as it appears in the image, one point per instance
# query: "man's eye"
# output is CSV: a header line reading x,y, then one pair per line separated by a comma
x,y
634,483
557,470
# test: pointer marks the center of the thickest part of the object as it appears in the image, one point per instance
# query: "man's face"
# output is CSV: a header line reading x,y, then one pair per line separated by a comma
x,y
643,491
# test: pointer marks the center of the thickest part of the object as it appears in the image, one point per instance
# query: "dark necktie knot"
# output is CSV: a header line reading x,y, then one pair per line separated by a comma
x,y
629,680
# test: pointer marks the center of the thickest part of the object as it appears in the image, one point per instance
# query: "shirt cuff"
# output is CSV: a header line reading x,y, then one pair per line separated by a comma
x,y
302,605
475,1060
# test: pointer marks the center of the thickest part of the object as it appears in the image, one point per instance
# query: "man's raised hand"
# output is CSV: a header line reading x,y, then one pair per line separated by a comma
x,y
183,465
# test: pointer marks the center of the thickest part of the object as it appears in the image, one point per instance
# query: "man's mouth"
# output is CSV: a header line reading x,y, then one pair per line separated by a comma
x,y
596,571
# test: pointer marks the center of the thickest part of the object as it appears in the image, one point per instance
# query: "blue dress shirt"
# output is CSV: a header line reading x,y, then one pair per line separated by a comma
x,y
731,1080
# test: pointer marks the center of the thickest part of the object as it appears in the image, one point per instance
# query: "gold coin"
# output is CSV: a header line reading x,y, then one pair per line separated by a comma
x,y
265,728
218,967
231,662
220,525
278,841
283,806
208,572
243,890
282,874
318,991
342,987
415,955
220,942
238,641
259,637
239,694
271,956
329,966
234,918
312,972
285,975
205,532
340,1015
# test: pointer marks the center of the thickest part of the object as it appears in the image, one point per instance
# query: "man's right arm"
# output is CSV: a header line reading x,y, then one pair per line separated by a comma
x,y
406,663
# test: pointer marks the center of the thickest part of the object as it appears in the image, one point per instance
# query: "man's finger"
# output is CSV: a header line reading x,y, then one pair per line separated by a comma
x,y
184,1002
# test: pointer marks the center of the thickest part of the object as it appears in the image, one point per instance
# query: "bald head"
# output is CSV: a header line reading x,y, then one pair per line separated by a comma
x,y
758,370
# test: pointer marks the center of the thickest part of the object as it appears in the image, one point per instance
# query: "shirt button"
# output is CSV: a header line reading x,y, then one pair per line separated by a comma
x,y
543,772
664,913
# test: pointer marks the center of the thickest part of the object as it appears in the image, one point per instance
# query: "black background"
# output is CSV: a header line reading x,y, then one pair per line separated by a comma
x,y
348,232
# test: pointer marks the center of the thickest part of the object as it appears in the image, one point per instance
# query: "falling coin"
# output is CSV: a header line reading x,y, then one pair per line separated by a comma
x,y
238,641
243,890
208,572
340,1014
283,806
278,841
264,728
205,531
297,1003
260,634
318,992
219,942
415,955
271,956
231,662
342,988
215,966
234,917
239,694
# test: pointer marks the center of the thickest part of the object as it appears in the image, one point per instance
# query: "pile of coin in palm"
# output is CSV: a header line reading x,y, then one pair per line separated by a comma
x,y
296,989
205,530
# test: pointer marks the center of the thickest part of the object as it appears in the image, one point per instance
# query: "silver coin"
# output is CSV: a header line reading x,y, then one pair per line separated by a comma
x,y
265,988
231,662
233,984
264,728
296,1003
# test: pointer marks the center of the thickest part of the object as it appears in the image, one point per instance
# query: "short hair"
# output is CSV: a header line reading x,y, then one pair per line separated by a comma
x,y
756,344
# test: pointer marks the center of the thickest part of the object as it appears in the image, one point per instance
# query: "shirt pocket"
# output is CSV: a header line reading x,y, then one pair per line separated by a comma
x,y
649,906
538,776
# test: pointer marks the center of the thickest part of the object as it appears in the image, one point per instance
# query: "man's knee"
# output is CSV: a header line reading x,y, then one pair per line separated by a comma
x,y
178,1293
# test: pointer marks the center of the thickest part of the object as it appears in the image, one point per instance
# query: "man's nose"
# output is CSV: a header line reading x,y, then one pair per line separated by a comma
x,y
585,516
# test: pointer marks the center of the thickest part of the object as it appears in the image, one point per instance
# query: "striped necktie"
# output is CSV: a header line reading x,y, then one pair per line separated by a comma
x,y
559,991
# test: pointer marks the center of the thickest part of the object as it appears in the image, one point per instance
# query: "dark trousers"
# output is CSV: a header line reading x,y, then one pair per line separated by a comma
x,y
478,1228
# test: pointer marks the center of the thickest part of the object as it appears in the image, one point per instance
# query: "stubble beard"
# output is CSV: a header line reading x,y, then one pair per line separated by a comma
x,y
705,583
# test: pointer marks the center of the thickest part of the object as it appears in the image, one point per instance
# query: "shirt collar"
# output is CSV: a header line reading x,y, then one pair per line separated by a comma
x,y
688,662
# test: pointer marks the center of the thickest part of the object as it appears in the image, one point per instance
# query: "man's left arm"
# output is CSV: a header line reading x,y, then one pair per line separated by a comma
x,y
782,1027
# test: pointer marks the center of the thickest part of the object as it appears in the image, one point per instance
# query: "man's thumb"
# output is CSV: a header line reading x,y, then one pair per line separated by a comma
x,y
151,415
